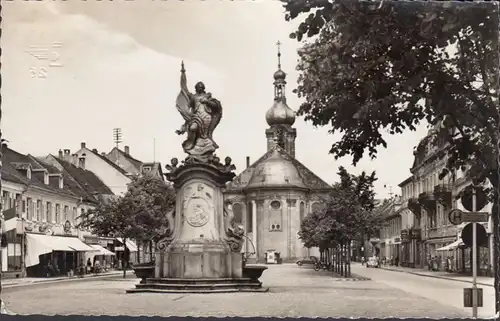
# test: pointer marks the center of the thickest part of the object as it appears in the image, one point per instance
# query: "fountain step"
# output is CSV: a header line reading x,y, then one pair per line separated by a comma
x,y
153,290
197,281
198,286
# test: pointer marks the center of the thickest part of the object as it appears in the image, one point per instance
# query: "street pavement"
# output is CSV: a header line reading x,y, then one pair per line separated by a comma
x,y
294,292
446,291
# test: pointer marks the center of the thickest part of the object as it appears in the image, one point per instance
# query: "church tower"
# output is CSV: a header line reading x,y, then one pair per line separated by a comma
x,y
280,117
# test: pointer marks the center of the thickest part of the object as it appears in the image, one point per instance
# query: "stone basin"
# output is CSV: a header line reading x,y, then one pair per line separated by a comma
x,y
144,270
253,271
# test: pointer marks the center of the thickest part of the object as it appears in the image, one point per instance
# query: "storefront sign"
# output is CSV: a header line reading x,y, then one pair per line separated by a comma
x,y
416,234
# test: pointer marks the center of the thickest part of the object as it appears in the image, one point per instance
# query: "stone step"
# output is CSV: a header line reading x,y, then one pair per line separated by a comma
x,y
198,281
178,286
150,290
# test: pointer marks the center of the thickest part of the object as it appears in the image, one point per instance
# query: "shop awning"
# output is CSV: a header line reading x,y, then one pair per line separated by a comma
x,y
452,246
130,245
77,245
102,250
39,244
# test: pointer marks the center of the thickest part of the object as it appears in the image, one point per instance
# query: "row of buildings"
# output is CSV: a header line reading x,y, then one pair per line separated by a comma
x,y
42,198
417,224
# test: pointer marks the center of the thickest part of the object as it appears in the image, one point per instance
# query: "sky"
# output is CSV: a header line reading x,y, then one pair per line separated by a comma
x,y
119,67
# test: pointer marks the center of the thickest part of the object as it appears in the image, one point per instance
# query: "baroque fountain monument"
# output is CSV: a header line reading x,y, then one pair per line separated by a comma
x,y
201,248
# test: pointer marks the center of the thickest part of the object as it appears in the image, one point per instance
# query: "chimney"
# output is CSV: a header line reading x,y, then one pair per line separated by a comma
x,y
127,150
83,145
248,161
103,154
94,150
66,152
60,154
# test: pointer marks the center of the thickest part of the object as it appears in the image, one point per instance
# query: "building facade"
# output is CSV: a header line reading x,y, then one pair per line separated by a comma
x,y
272,196
113,175
40,206
427,198
390,233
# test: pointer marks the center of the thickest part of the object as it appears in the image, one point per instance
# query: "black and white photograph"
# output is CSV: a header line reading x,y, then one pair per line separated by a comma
x,y
250,158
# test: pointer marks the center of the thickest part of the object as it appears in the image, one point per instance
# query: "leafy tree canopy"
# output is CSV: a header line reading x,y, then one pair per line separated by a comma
x,y
349,213
140,214
384,68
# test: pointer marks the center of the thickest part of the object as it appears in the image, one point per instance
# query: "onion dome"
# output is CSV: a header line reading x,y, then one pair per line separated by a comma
x,y
280,114
279,75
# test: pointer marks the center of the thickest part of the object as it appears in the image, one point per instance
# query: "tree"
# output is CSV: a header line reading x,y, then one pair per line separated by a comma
x,y
141,214
386,67
348,215
157,198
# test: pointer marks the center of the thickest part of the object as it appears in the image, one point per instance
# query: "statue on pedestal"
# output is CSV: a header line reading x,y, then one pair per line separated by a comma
x,y
202,113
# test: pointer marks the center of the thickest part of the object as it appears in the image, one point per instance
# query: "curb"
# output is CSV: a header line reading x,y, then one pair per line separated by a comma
x,y
436,277
15,285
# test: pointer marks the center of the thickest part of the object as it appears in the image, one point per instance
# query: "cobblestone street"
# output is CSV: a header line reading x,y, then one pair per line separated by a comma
x,y
294,292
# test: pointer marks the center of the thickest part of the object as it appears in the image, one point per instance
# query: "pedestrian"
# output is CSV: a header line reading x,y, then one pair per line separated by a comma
x,y
89,265
363,260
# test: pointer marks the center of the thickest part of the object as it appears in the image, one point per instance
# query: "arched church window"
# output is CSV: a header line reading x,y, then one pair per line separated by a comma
x,y
275,205
302,210
238,213
249,218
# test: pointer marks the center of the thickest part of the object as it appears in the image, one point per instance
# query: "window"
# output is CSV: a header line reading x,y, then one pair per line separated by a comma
x,y
249,218
38,210
30,209
66,210
23,206
49,212
146,169
58,214
5,199
238,213
275,205
302,210
75,213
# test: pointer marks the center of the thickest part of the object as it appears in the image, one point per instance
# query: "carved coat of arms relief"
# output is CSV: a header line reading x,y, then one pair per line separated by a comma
x,y
198,204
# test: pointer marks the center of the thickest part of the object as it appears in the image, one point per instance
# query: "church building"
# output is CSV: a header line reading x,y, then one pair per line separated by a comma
x,y
272,196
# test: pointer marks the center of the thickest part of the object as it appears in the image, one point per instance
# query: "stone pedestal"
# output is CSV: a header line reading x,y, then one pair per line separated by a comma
x,y
198,247
202,254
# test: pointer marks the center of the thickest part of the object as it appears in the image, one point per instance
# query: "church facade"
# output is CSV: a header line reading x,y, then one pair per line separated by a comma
x,y
272,196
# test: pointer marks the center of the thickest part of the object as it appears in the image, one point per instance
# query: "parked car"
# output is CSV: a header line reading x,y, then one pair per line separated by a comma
x,y
372,262
309,260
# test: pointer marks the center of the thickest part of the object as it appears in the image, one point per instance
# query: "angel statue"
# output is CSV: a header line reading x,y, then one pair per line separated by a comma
x,y
202,113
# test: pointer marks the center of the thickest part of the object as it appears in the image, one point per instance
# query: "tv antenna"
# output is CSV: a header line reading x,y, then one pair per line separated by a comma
x,y
117,136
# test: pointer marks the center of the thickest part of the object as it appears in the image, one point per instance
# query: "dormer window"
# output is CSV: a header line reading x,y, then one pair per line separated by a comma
x,y
146,169
46,178
28,173
61,182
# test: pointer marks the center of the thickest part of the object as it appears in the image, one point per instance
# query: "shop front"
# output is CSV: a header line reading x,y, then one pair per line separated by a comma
x,y
50,255
129,249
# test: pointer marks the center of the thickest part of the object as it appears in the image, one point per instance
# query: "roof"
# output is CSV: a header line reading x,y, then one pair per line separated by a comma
x,y
110,163
277,168
406,181
14,161
137,163
82,181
